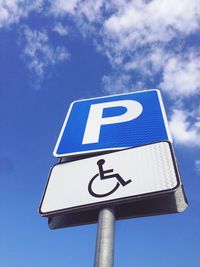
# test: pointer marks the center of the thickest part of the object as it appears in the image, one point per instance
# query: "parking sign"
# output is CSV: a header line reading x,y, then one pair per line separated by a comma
x,y
112,123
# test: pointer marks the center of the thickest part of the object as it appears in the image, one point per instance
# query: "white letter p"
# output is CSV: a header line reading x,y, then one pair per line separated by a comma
x,y
95,120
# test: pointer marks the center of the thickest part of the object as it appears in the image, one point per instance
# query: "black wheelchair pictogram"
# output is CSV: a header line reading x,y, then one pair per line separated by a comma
x,y
102,175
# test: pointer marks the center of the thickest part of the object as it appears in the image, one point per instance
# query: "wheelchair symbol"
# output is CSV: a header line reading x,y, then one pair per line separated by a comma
x,y
102,175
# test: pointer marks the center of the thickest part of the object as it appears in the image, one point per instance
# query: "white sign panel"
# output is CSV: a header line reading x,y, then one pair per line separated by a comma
x,y
120,175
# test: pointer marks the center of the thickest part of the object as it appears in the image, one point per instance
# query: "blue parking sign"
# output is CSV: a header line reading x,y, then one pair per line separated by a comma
x,y
113,122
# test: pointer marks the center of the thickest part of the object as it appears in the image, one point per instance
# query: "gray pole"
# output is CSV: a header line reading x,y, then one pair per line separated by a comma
x,y
104,255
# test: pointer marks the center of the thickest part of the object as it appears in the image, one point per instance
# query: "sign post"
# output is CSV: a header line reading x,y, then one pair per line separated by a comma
x,y
104,254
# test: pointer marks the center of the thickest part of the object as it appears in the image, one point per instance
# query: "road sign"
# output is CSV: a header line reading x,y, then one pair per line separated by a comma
x,y
118,178
113,123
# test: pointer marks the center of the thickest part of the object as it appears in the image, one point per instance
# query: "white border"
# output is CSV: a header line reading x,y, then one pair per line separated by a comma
x,y
107,149
164,116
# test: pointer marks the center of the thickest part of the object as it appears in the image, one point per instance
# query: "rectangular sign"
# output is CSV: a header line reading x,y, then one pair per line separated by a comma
x,y
113,122
109,178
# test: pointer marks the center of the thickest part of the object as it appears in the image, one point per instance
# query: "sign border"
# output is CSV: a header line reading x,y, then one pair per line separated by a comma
x,y
86,152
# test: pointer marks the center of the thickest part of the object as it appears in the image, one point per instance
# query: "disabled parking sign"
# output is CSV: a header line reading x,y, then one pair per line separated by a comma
x,y
137,181
113,123
137,177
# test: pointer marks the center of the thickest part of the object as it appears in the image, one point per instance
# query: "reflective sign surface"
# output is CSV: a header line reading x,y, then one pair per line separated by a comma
x,y
113,122
120,175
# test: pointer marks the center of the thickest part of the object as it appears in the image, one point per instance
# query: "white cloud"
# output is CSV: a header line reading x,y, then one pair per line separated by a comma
x,y
197,166
139,36
181,75
147,37
185,127
138,23
63,7
39,54
117,83
90,9
121,82
11,11
60,29
148,61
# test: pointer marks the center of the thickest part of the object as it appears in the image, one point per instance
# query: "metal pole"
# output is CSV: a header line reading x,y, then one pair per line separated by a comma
x,y
104,255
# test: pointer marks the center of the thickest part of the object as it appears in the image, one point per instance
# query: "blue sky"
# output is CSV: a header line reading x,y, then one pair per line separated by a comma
x,y
55,52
